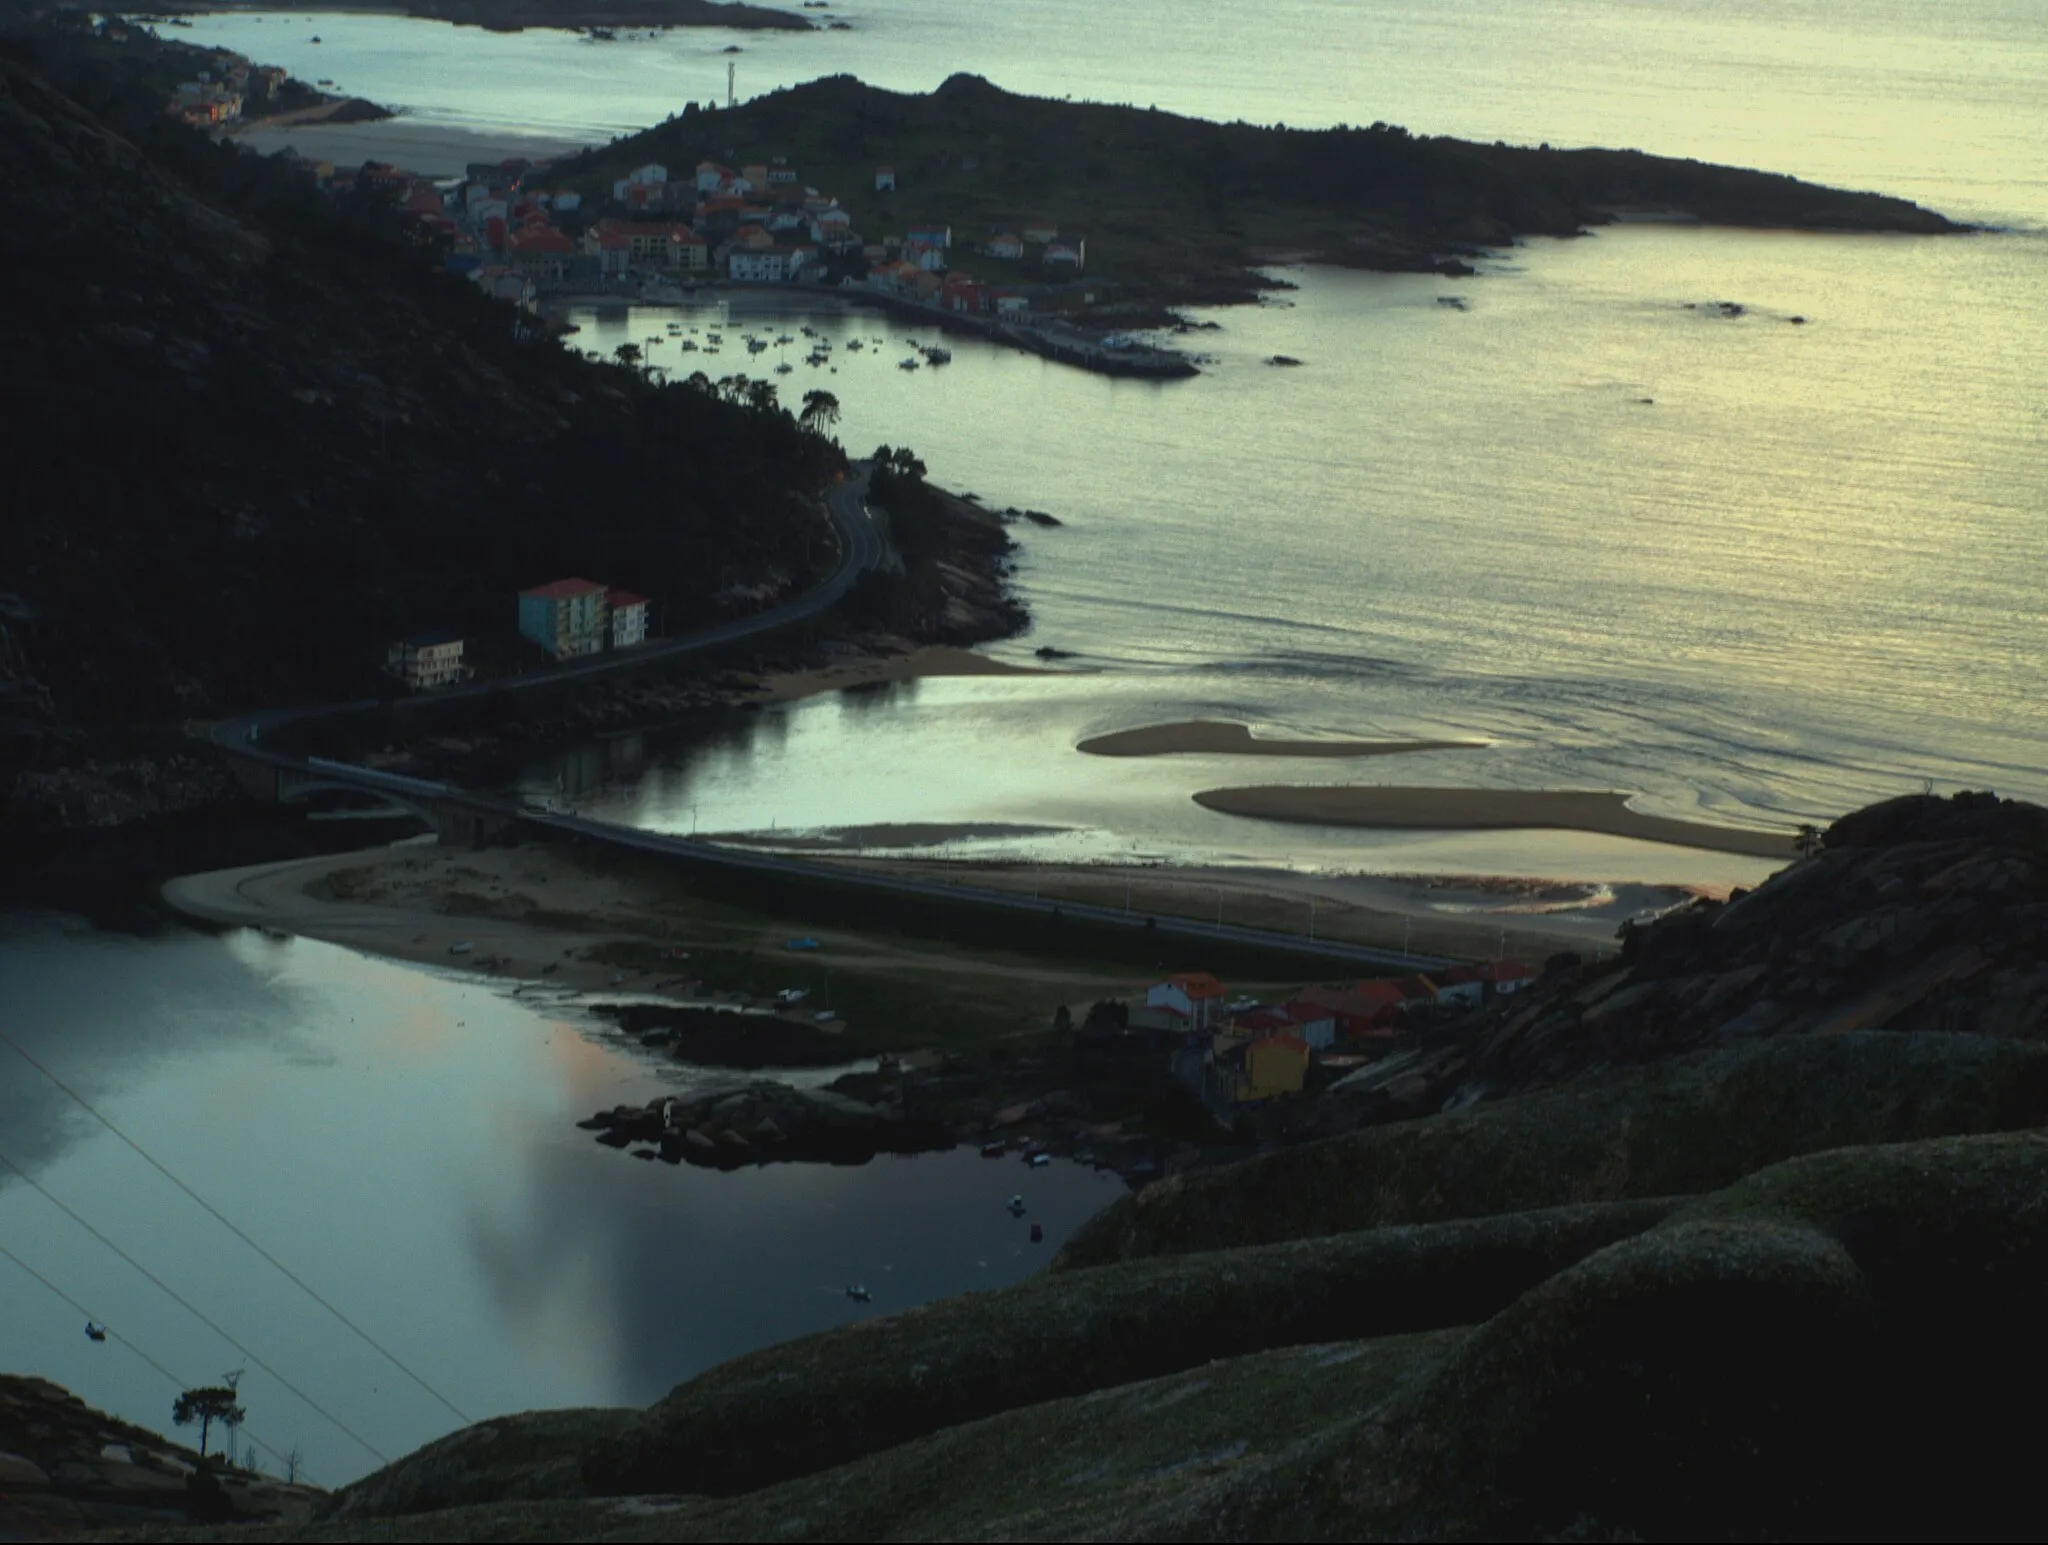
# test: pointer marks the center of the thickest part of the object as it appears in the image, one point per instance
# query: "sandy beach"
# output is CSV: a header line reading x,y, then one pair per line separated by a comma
x,y
430,149
1229,739
1489,809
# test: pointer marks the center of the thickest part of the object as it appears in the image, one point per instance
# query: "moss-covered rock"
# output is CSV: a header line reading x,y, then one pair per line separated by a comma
x,y
826,1399
530,1457
1693,1124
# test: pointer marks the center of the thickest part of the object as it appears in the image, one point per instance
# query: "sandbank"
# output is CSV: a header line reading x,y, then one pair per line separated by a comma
x,y
1230,739
883,834
1423,809
927,660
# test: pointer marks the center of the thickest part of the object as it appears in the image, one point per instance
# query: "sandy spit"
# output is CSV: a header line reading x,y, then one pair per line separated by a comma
x,y
1488,809
1215,735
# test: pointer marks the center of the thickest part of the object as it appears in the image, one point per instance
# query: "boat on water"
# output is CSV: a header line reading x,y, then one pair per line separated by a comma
x,y
907,364
938,356
854,344
784,368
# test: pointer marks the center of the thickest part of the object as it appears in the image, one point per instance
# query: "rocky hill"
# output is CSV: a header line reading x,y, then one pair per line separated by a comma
x,y
1677,1284
255,435
1175,209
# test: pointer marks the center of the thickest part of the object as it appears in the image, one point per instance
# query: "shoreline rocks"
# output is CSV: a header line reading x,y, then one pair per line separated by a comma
x,y
764,1123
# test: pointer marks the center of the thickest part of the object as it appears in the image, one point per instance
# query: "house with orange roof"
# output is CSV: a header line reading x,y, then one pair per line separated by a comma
x,y
1196,994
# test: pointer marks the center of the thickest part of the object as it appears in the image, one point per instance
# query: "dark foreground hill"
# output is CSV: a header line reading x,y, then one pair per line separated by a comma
x,y
254,436
1175,208
1784,1284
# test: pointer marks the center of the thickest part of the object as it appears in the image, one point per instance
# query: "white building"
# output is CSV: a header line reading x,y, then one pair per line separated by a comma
x,y
764,265
427,660
1196,994
650,175
629,618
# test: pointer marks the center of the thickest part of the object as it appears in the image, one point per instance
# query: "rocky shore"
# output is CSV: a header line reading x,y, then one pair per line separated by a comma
x,y
763,1123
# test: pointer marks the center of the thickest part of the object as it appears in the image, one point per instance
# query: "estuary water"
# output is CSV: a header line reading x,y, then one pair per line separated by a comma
x,y
404,1141
1737,566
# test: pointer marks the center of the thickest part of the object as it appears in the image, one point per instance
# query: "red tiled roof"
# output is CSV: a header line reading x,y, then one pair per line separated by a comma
x,y
619,598
563,589
1197,984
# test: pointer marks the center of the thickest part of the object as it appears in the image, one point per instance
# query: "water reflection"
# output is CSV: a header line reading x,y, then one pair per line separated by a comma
x,y
404,1141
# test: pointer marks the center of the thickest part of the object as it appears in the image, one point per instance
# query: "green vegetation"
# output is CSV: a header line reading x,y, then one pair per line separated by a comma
x,y
1687,1125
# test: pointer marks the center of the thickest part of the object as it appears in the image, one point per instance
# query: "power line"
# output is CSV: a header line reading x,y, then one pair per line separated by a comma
x,y
190,1308
293,1277
176,1383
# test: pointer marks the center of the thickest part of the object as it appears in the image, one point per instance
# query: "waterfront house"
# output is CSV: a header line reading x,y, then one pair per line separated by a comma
x,y
711,176
1069,253
1362,1009
1039,232
763,265
962,294
629,617
613,249
1274,1065
1312,1022
565,617
1196,994
427,660
885,179
940,236
1009,305
650,174
930,259
778,175
1008,245
540,251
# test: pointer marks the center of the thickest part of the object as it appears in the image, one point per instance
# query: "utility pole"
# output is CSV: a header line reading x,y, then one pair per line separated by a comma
x,y
1406,923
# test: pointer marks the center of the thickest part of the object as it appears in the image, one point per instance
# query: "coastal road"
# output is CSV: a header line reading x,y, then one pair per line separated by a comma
x,y
861,548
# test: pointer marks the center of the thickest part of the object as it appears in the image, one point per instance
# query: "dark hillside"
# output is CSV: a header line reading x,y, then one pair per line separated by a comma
x,y
253,437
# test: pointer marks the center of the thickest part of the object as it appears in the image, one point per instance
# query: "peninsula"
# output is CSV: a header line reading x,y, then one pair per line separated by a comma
x,y
1124,211
518,15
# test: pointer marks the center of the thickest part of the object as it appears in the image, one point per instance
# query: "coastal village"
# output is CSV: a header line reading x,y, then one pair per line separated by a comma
x,y
1229,1051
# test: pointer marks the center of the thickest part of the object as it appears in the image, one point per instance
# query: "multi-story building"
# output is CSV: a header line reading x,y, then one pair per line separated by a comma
x,y
566,618
427,660
629,617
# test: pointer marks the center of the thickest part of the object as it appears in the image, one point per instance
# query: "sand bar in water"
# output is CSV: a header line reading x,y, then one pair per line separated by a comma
x,y
1222,736
1489,809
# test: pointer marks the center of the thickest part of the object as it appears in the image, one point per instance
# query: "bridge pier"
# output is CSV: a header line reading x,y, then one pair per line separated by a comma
x,y
461,828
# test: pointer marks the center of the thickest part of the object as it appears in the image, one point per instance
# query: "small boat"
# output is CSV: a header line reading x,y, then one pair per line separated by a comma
x,y
855,343
938,356
906,364
1040,1160
859,1294
461,949
1016,1206
992,1150
784,368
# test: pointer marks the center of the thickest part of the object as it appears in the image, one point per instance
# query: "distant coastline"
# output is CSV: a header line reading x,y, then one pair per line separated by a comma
x,y
518,15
